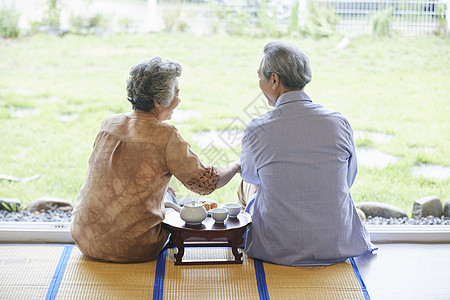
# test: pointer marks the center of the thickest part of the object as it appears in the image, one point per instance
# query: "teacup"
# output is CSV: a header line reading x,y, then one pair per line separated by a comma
x,y
233,209
219,214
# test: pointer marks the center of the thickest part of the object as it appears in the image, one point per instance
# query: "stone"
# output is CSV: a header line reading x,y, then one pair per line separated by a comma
x,y
447,209
436,172
343,43
53,30
428,206
378,209
361,215
10,204
372,157
49,203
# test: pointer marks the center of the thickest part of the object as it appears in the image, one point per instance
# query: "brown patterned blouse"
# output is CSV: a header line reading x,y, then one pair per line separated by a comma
x,y
119,210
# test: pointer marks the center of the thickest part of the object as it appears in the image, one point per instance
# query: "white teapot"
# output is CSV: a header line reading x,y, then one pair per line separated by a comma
x,y
193,213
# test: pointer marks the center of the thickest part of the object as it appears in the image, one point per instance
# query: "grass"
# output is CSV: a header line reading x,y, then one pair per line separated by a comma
x,y
396,86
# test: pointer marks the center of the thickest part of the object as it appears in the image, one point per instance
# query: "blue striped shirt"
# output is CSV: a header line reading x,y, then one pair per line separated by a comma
x,y
303,157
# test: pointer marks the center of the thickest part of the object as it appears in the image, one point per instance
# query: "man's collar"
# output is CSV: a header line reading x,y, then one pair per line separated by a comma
x,y
292,96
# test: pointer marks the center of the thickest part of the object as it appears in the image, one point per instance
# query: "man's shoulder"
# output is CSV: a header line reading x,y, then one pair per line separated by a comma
x,y
340,117
261,120
322,111
333,118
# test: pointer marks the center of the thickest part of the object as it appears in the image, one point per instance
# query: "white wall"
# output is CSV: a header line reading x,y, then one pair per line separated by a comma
x,y
145,16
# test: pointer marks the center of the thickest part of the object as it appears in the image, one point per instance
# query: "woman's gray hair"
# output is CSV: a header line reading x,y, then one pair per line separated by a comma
x,y
152,80
286,60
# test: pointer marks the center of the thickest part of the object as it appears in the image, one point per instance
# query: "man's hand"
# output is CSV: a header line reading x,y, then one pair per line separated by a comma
x,y
170,189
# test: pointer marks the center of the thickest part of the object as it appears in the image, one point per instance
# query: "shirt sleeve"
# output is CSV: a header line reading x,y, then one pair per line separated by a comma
x,y
352,162
249,172
187,167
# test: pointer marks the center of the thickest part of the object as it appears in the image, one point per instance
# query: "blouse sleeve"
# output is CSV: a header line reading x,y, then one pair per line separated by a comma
x,y
187,167
249,171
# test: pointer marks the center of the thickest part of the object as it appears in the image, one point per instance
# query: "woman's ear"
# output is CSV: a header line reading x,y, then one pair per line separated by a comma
x,y
157,105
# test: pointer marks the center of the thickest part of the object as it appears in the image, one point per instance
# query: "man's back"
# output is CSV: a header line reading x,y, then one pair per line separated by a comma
x,y
303,158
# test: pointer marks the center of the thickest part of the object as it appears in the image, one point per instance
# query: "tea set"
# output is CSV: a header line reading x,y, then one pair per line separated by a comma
x,y
194,213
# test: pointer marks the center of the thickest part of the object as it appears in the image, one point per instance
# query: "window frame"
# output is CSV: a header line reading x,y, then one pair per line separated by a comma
x,y
59,232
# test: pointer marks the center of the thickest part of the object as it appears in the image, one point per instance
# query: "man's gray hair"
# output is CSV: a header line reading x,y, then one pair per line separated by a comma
x,y
289,62
152,80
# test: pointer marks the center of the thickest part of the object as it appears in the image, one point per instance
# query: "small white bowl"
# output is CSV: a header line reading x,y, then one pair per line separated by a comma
x,y
219,214
233,209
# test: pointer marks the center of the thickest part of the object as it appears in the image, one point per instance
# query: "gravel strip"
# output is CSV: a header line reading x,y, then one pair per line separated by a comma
x,y
48,216
405,221
66,216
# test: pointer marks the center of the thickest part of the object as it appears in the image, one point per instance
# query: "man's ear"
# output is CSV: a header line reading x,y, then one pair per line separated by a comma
x,y
275,80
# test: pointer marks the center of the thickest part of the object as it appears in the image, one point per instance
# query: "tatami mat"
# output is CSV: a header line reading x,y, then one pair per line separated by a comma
x,y
85,278
211,281
26,272
62,272
331,282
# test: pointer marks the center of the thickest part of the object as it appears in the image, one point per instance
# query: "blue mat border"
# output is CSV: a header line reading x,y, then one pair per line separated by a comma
x,y
59,272
37,245
261,280
158,287
60,268
360,280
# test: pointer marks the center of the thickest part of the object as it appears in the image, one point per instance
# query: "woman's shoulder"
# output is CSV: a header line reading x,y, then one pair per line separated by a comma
x,y
129,117
138,129
115,118
165,128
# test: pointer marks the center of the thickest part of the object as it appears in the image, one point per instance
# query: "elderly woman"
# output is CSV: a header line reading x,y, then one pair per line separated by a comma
x,y
119,210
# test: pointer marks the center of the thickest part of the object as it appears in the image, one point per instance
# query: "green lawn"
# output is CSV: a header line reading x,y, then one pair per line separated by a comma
x,y
396,86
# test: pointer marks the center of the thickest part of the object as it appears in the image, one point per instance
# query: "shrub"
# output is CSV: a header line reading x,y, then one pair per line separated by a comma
x,y
251,18
125,24
441,9
88,24
267,19
321,20
9,22
53,14
293,20
381,22
12,206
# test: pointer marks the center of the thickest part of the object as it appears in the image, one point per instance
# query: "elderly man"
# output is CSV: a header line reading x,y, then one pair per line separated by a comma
x,y
300,159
